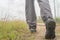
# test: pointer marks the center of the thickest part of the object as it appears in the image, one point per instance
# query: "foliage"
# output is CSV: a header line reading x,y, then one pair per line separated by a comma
x,y
58,20
13,30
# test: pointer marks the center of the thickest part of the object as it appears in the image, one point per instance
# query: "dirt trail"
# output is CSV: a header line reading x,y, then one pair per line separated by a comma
x,y
39,35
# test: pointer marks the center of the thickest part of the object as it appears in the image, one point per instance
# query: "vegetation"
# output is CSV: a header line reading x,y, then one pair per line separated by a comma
x,y
17,30
39,20
58,20
14,30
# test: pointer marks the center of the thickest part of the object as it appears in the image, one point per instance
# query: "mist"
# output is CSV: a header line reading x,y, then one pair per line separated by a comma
x,y
15,9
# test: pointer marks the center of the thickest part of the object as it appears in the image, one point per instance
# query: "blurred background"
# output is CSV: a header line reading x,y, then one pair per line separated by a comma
x,y
15,9
13,25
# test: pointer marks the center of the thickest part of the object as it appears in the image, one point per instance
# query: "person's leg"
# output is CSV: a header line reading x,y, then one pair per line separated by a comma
x,y
47,17
30,14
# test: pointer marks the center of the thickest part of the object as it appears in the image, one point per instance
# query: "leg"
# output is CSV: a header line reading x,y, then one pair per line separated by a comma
x,y
47,18
45,9
30,14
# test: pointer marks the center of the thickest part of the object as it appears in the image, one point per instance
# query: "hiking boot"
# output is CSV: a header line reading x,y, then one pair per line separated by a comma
x,y
50,35
50,29
32,29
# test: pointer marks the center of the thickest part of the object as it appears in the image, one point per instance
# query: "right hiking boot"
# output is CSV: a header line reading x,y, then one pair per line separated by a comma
x,y
50,29
32,29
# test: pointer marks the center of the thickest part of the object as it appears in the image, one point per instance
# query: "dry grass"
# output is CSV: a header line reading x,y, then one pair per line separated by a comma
x,y
18,30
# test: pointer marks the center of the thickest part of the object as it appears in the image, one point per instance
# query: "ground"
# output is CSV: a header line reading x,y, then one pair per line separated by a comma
x,y
39,35
18,30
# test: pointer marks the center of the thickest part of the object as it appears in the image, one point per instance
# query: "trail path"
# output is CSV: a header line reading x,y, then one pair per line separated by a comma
x,y
39,35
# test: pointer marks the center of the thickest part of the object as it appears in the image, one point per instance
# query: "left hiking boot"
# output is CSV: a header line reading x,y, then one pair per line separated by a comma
x,y
32,29
50,29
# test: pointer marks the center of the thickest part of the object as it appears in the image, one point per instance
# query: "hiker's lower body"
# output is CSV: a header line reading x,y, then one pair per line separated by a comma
x,y
46,16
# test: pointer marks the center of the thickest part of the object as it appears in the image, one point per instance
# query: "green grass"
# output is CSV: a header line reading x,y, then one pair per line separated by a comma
x,y
58,20
39,20
14,30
